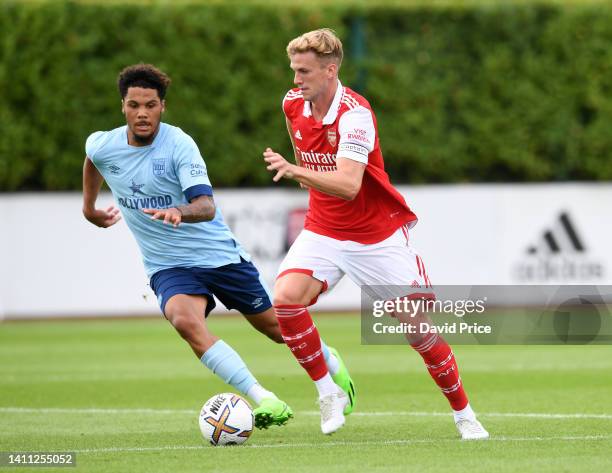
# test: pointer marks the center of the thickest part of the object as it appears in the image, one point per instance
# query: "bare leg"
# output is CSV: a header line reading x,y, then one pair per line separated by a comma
x,y
186,314
266,323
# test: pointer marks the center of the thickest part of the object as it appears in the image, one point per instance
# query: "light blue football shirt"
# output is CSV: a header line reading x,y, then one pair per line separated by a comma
x,y
167,173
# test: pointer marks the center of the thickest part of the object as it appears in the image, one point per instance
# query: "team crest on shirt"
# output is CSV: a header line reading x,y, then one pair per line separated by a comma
x,y
331,137
159,167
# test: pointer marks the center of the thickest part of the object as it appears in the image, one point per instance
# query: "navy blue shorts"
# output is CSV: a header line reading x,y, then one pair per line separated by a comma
x,y
237,285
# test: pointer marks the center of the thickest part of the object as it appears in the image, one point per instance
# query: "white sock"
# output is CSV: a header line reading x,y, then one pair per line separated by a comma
x,y
326,385
258,393
465,413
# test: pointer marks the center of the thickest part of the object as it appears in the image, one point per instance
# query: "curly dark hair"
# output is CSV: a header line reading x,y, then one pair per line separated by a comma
x,y
142,75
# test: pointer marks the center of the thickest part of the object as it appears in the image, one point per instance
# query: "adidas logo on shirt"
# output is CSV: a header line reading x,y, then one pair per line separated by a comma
x,y
298,135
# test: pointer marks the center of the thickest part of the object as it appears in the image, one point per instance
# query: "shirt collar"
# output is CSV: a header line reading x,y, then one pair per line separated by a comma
x,y
332,113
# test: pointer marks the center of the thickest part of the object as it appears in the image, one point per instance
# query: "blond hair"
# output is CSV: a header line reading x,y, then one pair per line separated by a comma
x,y
323,42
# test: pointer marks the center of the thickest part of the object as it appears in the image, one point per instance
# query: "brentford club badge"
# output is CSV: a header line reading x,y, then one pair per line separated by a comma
x,y
331,137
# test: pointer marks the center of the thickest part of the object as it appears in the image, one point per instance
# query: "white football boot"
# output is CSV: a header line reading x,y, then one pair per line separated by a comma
x,y
332,411
471,429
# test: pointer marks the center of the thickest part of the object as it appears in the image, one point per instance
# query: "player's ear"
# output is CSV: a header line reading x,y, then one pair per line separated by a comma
x,y
332,69
123,106
163,106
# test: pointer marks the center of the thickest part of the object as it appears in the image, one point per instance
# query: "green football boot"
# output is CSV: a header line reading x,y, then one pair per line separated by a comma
x,y
272,411
343,379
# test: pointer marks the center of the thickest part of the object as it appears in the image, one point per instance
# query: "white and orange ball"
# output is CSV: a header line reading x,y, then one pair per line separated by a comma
x,y
226,419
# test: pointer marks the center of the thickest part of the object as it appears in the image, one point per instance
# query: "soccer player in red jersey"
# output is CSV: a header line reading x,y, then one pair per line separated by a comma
x,y
357,224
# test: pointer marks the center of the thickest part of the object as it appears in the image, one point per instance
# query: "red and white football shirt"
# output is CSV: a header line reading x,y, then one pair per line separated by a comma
x,y
348,130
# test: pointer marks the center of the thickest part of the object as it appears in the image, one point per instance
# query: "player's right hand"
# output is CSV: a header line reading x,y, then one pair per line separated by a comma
x,y
103,218
279,164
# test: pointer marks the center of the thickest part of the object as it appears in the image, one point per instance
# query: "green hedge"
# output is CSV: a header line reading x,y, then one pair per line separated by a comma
x,y
506,93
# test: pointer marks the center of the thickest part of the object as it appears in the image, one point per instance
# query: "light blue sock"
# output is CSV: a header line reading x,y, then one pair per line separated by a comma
x,y
325,351
330,361
222,360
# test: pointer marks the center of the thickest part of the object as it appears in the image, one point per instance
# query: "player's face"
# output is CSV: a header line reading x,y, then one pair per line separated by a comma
x,y
142,109
313,75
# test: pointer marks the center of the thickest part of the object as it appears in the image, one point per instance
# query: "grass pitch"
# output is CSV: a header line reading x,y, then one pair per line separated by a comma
x,y
125,396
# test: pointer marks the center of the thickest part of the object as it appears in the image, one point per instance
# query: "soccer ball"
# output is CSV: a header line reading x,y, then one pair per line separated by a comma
x,y
226,419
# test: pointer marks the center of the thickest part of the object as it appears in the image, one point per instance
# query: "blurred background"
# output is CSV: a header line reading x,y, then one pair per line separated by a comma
x,y
495,122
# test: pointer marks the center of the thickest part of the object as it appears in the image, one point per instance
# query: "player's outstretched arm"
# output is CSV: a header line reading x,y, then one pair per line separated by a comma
x,y
200,209
345,182
92,181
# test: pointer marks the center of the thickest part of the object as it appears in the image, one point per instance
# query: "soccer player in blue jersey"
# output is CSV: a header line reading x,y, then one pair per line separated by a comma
x,y
159,181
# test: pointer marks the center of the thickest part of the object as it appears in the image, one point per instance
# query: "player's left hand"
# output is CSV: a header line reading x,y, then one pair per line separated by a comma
x,y
279,164
171,216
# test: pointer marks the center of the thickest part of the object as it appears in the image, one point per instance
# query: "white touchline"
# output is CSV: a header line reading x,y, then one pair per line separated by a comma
x,y
568,438
539,415
93,410
96,410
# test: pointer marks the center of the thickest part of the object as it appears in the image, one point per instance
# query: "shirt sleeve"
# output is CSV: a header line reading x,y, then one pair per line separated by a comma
x,y
357,134
92,144
191,169
291,103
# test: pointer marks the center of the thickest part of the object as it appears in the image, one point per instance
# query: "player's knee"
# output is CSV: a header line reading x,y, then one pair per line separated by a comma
x,y
289,296
185,324
296,289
